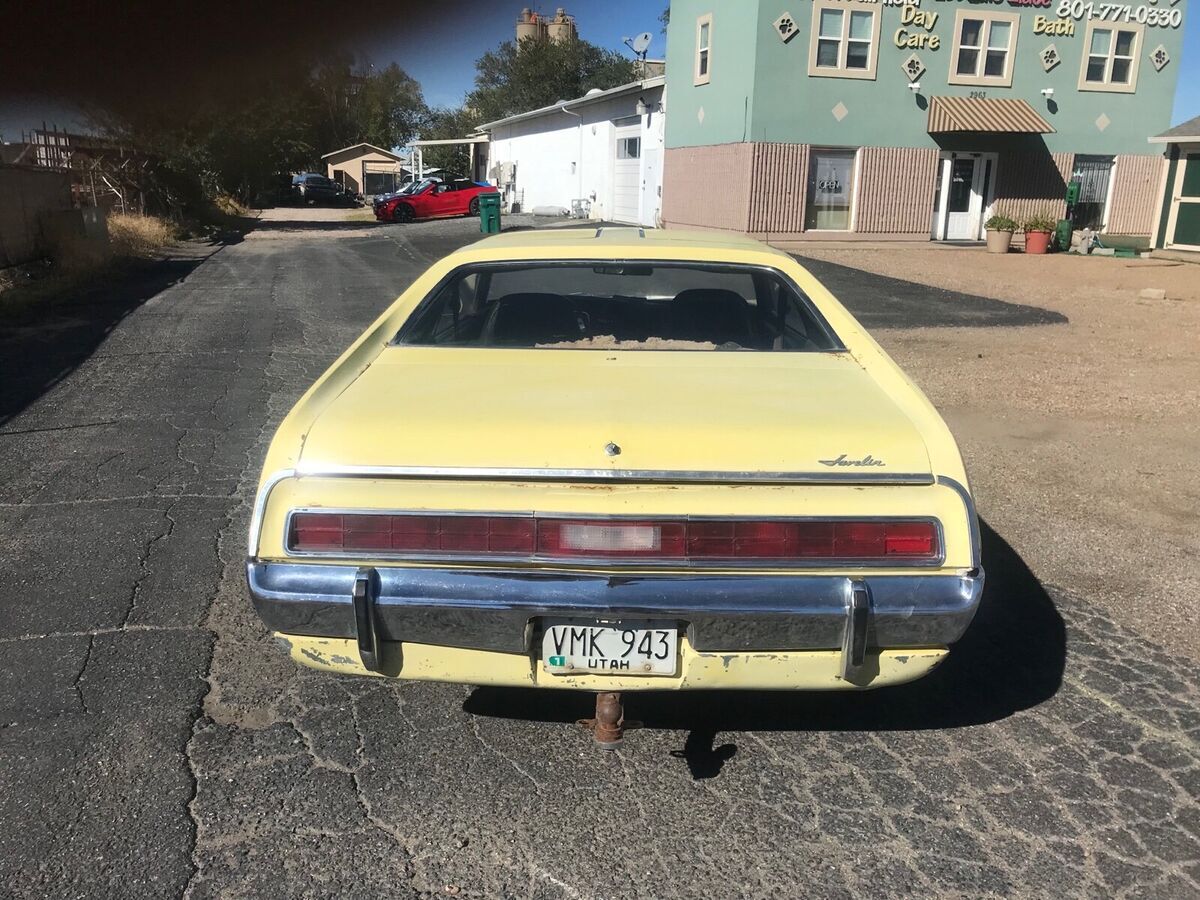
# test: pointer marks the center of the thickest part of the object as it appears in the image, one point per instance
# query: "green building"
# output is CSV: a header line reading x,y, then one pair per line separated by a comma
x,y
1179,219
881,120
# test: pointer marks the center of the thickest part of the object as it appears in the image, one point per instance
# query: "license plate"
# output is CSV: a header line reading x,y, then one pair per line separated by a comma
x,y
617,647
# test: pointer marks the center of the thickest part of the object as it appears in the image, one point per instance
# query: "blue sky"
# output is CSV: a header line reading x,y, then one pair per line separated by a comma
x,y
1187,95
441,54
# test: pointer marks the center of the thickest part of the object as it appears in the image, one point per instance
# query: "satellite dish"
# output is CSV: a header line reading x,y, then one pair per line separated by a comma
x,y
642,42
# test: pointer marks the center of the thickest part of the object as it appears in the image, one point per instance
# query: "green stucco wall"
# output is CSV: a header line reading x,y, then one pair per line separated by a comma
x,y
760,89
727,110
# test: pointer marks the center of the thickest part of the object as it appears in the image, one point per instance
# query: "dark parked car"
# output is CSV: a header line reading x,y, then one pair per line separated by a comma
x,y
312,188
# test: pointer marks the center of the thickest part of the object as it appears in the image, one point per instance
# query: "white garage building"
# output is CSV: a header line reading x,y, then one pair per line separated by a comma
x,y
598,156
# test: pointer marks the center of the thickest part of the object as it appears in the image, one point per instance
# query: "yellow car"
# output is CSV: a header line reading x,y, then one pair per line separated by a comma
x,y
616,460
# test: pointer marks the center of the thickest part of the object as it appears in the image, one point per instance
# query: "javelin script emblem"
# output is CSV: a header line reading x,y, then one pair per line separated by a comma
x,y
843,460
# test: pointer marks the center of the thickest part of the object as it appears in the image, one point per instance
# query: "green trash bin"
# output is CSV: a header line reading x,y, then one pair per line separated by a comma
x,y
489,213
1062,235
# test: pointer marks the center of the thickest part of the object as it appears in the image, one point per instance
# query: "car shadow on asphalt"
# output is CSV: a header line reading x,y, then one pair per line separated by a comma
x,y
1011,658
881,302
49,337
295,225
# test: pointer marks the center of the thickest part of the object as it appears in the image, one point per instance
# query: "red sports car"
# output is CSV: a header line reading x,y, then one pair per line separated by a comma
x,y
433,199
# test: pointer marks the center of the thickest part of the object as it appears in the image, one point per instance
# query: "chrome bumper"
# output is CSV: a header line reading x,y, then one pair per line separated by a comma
x,y
497,610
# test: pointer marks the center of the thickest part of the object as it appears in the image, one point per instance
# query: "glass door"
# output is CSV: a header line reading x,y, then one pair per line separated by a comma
x,y
960,200
963,195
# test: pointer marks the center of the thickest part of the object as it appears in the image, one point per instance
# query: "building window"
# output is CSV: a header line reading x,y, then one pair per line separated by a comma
x,y
845,39
985,45
1111,60
703,48
629,148
830,190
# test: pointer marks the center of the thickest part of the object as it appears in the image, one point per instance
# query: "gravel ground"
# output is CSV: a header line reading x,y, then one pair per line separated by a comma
x,y
1081,438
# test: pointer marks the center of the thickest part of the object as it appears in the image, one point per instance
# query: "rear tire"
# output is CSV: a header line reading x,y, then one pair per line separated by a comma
x,y
402,213
473,207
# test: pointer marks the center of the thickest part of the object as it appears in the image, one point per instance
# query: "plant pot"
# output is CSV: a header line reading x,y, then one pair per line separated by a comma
x,y
998,241
1037,241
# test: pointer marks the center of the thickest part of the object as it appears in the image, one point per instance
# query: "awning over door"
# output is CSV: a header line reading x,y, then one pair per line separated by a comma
x,y
948,115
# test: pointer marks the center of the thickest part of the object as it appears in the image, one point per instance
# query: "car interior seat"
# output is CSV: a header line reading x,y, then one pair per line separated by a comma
x,y
711,314
523,320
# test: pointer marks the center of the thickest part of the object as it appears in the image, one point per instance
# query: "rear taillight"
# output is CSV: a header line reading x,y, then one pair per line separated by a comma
x,y
682,540
412,534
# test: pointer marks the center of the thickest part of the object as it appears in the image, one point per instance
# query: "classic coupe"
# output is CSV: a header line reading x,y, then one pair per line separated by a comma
x,y
434,199
616,459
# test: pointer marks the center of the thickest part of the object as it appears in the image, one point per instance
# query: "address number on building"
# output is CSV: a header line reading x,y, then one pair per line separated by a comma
x,y
1119,12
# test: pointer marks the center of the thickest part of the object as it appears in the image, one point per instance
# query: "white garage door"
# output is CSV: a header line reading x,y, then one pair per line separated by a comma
x,y
627,175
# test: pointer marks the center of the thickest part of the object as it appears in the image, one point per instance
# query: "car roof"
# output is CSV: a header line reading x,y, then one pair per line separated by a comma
x,y
608,241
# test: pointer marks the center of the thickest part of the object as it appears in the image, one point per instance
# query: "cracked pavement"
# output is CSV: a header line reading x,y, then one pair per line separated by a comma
x,y
154,742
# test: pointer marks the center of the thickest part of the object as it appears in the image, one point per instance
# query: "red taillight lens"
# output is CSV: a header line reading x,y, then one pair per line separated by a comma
x,y
665,539
412,534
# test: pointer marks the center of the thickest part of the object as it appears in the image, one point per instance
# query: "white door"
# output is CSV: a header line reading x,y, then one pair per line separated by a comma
x,y
651,187
627,176
963,196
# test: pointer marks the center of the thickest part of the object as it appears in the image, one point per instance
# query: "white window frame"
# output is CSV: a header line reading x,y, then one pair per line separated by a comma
x,y
1108,86
846,7
985,34
703,52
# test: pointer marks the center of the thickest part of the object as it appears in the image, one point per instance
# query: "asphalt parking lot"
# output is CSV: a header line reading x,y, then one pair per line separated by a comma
x,y
154,743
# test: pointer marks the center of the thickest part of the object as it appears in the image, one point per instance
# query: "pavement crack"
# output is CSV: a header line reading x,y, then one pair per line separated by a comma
x,y
193,776
516,766
11,432
143,563
128,498
95,632
76,681
369,814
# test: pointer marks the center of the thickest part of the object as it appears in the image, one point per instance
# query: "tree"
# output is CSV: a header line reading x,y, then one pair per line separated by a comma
x,y
447,124
236,142
516,78
358,104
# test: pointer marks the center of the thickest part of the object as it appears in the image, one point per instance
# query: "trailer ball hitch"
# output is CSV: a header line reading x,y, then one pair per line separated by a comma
x,y
608,726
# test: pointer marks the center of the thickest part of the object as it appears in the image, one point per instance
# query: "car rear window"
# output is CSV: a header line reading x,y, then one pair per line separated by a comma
x,y
606,305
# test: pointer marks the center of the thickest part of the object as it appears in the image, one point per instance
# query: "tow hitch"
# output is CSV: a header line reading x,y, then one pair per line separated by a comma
x,y
608,727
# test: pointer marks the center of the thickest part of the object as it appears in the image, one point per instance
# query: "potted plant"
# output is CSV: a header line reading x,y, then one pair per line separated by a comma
x,y
999,233
1038,229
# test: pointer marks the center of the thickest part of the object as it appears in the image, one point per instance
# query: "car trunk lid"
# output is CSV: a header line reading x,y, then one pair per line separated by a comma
x,y
735,413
